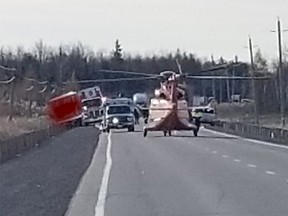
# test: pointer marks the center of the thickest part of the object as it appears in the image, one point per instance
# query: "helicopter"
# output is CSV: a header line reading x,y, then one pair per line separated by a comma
x,y
168,110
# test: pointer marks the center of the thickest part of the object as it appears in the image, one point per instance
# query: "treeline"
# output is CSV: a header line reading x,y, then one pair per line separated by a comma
x,y
76,62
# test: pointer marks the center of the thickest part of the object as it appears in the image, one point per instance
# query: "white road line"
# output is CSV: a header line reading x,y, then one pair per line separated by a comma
x,y
100,206
270,172
237,160
224,156
214,152
252,165
246,139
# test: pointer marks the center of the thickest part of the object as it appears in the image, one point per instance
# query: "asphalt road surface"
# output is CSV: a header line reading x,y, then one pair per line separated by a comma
x,y
42,182
213,174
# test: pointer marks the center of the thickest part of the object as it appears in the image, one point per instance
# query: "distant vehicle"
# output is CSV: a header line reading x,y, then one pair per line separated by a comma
x,y
65,109
118,114
92,105
208,115
140,99
93,110
236,98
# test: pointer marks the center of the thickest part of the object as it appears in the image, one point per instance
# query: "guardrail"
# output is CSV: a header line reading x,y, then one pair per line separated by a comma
x,y
275,135
16,145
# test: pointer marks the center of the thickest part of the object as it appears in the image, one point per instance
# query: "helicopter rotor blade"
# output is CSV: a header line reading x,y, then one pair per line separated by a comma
x,y
128,73
113,80
221,67
213,69
227,78
179,67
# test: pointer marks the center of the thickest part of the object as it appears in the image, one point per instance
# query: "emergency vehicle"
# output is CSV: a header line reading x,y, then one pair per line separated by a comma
x,y
92,105
65,109
118,114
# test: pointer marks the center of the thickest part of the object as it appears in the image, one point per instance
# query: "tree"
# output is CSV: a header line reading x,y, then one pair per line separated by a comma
x,y
72,83
260,62
117,53
117,61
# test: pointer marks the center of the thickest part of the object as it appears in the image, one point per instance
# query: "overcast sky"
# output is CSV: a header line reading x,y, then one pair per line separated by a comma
x,y
203,27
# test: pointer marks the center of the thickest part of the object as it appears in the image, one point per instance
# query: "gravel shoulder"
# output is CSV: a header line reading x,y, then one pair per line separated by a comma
x,y
43,181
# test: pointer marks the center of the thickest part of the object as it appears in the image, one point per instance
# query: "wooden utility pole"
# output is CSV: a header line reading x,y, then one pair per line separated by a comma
x,y
228,86
220,91
233,74
281,77
30,96
12,90
253,81
213,80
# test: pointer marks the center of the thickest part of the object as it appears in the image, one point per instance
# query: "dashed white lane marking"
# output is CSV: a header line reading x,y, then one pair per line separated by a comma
x,y
252,165
207,149
224,156
214,152
249,140
237,160
100,206
270,172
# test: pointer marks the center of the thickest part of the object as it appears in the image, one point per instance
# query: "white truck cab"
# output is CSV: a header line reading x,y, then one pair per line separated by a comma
x,y
92,105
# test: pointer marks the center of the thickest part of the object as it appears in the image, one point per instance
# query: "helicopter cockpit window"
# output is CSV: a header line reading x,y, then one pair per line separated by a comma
x,y
162,96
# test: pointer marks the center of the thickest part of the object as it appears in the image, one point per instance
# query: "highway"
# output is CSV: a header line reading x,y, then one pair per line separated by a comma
x,y
213,174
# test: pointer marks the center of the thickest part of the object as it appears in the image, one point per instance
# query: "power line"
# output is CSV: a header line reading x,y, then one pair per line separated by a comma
x,y
8,81
7,68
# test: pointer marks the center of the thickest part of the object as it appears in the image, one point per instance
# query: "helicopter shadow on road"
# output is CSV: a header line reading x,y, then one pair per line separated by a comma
x,y
198,137
126,132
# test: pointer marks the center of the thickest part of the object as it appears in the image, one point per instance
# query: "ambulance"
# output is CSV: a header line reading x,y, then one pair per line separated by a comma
x,y
92,105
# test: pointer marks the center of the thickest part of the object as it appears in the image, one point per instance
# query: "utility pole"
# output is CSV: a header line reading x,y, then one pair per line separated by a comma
x,y
233,74
253,81
213,80
280,74
228,86
282,99
29,92
12,90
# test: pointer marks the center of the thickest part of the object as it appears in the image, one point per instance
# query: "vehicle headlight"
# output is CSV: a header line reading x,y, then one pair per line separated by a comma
x,y
129,119
115,120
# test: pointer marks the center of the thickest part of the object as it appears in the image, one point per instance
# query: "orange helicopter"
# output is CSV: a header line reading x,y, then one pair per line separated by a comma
x,y
169,110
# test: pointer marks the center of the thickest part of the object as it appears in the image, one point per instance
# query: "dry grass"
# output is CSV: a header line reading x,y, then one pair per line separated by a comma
x,y
234,111
20,125
245,113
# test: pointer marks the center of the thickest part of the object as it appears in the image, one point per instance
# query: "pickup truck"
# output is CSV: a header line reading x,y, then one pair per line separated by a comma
x,y
118,116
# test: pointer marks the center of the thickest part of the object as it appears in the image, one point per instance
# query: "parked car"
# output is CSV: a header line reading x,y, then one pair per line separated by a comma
x,y
208,115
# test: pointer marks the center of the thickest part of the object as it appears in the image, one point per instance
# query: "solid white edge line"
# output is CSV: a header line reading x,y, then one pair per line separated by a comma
x,y
100,206
246,139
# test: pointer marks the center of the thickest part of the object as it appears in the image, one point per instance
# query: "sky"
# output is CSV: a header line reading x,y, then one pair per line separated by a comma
x,y
202,27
